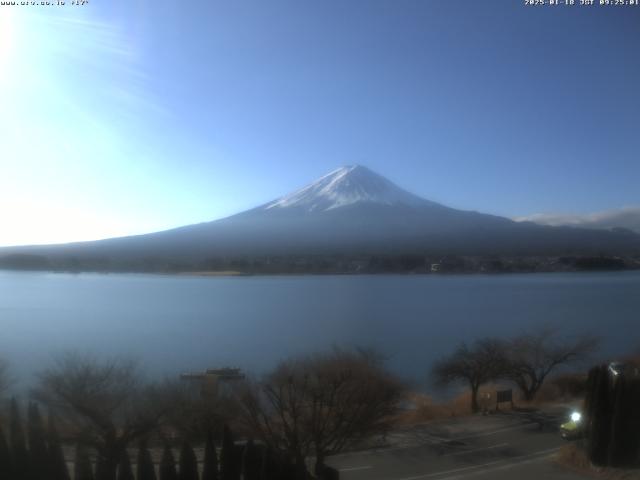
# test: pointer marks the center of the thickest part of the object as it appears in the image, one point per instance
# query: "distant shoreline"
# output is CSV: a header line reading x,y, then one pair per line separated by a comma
x,y
237,273
211,273
327,264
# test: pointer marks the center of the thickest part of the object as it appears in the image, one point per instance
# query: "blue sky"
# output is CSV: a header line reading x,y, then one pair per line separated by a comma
x,y
122,117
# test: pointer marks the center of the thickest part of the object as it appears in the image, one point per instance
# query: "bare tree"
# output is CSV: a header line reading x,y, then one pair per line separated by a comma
x,y
105,401
190,413
319,405
533,356
475,365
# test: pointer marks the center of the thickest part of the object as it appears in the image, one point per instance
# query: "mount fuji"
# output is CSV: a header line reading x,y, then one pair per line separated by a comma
x,y
350,211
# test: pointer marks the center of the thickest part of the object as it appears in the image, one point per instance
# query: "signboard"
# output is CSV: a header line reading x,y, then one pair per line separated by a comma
x,y
504,396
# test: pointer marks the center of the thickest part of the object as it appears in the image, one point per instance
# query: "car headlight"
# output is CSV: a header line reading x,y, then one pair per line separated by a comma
x,y
576,416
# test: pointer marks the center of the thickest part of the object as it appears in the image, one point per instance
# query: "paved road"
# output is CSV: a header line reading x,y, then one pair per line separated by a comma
x,y
505,446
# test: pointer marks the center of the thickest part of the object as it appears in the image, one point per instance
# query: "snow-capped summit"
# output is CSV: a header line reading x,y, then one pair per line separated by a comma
x,y
347,186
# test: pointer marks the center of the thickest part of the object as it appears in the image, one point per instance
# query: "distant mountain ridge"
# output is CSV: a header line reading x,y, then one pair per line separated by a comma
x,y
625,217
351,211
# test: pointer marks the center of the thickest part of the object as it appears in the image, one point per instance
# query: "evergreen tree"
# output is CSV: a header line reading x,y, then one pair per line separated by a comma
x,y
18,444
634,417
270,467
6,463
168,465
103,470
251,462
57,462
616,444
229,461
210,469
125,472
188,463
599,429
592,378
82,466
38,450
328,473
145,470
623,448
288,469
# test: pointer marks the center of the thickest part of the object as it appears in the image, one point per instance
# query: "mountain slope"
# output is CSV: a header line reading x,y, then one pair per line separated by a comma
x,y
350,211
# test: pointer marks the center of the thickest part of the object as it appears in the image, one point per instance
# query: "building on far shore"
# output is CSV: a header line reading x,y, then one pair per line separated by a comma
x,y
212,380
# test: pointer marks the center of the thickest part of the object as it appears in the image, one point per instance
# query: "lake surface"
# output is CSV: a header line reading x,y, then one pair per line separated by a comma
x,y
177,323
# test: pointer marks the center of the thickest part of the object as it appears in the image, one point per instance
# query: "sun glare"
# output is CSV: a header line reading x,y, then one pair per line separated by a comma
x,y
8,20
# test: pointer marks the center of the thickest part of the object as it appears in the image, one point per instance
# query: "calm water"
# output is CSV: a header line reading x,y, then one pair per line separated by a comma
x,y
175,324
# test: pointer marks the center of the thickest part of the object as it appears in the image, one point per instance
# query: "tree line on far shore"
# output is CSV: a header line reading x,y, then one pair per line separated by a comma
x,y
323,263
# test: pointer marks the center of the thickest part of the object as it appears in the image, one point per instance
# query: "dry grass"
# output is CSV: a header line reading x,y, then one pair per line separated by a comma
x,y
559,390
573,457
426,409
